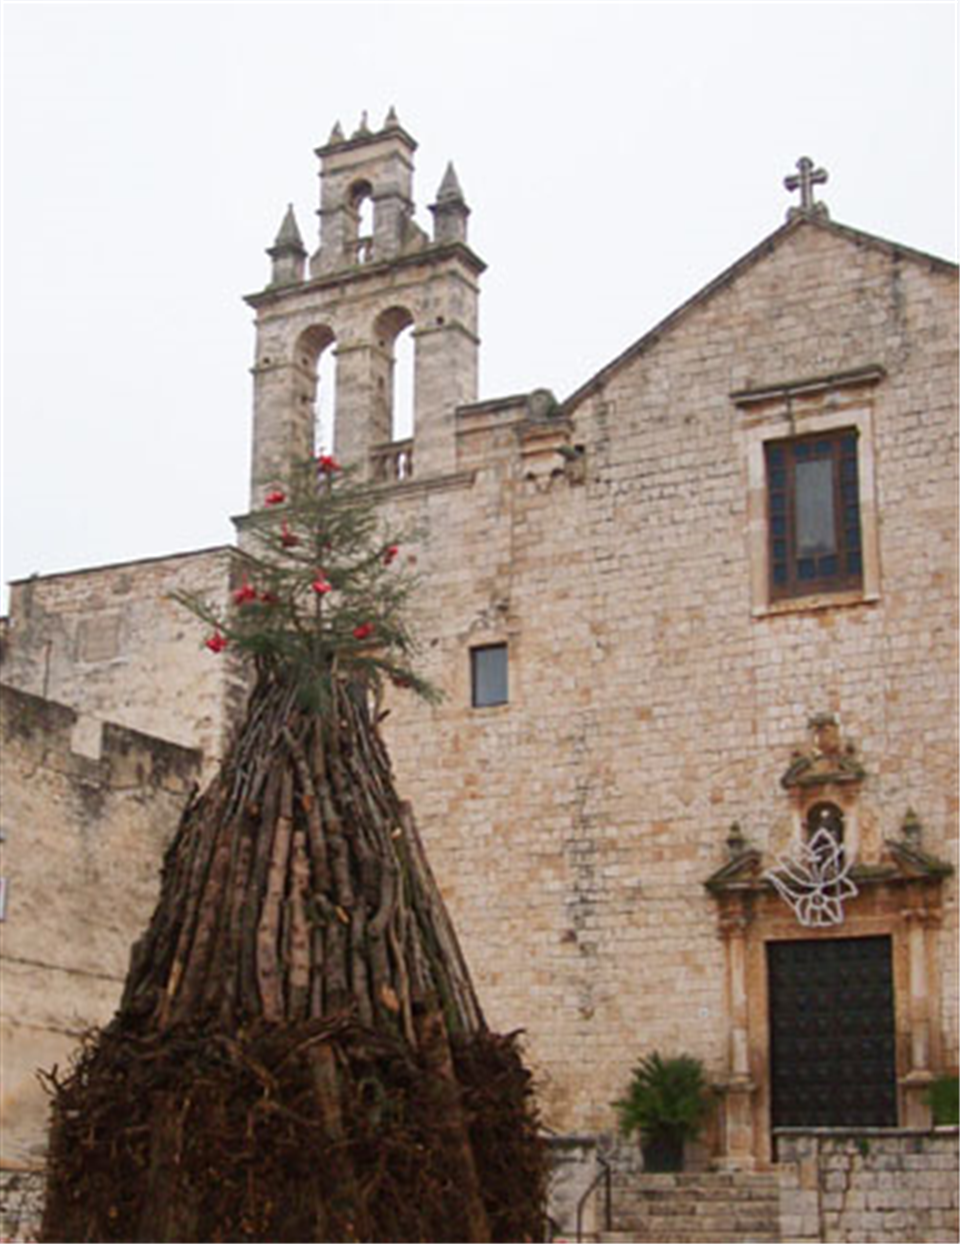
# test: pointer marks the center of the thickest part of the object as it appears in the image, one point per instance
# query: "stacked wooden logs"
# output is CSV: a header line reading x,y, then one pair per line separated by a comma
x,y
301,968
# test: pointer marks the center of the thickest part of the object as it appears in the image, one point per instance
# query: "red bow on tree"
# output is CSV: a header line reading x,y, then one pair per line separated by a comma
x,y
363,631
277,497
245,593
216,642
327,464
320,585
390,554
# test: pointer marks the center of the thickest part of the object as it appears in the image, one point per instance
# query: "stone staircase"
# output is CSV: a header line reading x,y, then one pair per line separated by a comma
x,y
706,1207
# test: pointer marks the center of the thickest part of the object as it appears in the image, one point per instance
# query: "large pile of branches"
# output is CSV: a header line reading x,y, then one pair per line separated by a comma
x,y
299,1053
201,1136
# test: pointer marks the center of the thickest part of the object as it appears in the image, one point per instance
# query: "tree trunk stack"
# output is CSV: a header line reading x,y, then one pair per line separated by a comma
x,y
299,1053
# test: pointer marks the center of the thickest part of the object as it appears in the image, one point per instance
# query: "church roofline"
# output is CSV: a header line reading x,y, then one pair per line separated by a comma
x,y
729,275
134,561
490,404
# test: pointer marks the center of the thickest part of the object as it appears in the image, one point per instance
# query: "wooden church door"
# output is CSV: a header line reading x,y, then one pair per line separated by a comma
x,y
832,1056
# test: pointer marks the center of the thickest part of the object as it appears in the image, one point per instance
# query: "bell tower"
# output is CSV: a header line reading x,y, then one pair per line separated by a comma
x,y
375,274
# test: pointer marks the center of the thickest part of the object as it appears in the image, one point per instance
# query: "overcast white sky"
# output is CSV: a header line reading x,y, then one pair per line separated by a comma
x,y
616,158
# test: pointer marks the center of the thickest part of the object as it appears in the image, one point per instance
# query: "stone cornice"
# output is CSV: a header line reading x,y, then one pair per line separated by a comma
x,y
367,140
871,374
905,864
430,255
398,488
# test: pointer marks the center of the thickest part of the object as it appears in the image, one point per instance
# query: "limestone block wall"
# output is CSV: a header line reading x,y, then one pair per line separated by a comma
x,y
874,1185
88,808
650,704
111,642
21,1204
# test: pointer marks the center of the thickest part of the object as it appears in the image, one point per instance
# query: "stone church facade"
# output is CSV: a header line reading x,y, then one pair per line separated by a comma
x,y
697,617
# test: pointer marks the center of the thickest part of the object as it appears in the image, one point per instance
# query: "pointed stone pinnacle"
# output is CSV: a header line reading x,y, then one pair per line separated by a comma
x,y
450,191
391,121
363,129
336,134
288,237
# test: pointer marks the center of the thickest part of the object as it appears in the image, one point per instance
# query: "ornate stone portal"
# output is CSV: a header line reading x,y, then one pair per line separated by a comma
x,y
898,896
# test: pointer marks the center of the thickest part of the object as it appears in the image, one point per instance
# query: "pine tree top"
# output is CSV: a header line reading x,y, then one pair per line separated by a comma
x,y
324,590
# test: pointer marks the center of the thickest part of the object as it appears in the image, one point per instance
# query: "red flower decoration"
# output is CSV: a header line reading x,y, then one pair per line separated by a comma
x,y
277,497
287,538
216,642
363,631
327,464
244,594
390,554
320,585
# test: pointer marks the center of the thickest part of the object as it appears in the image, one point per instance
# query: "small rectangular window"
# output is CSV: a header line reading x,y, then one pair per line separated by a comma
x,y
488,675
813,515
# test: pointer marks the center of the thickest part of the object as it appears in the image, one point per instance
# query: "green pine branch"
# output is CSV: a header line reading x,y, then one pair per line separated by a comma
x,y
324,590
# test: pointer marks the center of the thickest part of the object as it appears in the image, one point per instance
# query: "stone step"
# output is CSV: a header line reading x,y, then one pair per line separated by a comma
x,y
703,1207
718,1180
763,1192
706,1228
705,1184
660,1204
688,1237
657,1185
697,1205
629,1215
695,1222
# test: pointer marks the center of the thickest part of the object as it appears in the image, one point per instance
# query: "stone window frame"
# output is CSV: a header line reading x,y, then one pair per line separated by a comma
x,y
819,406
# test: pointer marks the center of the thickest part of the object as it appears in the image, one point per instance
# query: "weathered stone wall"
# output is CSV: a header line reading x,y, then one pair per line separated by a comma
x,y
574,1170
869,1186
111,642
651,705
88,807
21,1204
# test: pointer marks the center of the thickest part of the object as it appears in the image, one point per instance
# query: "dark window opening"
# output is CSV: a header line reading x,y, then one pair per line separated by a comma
x,y
488,675
825,816
813,515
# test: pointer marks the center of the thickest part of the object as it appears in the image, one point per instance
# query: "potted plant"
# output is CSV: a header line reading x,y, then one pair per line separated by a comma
x,y
665,1102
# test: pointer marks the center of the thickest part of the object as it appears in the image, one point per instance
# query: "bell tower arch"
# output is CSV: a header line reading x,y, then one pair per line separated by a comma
x,y
375,274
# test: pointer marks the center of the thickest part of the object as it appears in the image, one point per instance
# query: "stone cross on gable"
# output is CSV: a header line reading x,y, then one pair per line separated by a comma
x,y
804,180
